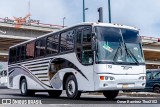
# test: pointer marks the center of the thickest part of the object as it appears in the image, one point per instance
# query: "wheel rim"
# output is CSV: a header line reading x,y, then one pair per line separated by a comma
x,y
23,87
157,90
71,87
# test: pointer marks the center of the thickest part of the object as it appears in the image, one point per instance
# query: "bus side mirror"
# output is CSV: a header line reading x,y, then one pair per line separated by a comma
x,y
93,41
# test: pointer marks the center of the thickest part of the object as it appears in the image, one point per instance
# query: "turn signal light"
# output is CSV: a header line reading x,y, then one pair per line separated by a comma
x,y
101,77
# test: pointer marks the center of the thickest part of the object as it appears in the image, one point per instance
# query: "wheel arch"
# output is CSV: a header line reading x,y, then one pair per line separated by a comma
x,y
65,78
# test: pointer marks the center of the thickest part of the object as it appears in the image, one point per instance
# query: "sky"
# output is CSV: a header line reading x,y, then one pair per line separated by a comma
x,y
143,14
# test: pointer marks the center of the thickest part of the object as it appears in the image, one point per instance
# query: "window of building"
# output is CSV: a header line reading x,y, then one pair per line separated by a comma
x,y
67,41
30,48
52,44
40,47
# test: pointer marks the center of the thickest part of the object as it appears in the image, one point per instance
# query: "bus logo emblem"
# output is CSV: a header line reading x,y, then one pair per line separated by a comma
x,y
126,67
109,66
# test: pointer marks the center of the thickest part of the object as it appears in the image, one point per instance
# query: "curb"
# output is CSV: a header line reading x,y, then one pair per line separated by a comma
x,y
131,94
4,87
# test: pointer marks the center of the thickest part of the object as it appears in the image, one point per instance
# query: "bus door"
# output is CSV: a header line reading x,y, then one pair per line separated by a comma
x,y
84,51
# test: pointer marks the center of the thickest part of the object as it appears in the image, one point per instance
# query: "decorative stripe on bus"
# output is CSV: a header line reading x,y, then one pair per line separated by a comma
x,y
37,66
34,76
61,63
36,63
39,70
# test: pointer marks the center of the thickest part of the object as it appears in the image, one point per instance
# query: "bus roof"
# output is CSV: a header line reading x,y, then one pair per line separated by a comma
x,y
85,23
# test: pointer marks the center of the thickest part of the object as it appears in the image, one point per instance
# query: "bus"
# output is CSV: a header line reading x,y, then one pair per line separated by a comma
x,y
87,57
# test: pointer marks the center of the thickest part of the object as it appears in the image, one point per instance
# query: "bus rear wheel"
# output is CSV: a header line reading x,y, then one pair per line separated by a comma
x,y
24,89
110,95
71,87
55,93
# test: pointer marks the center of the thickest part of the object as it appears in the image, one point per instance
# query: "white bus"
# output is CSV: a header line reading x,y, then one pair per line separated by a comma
x,y
89,57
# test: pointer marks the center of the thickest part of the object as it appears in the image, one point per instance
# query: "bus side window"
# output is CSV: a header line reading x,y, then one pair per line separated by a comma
x,y
40,47
18,53
87,53
67,41
52,44
30,47
78,46
12,55
84,45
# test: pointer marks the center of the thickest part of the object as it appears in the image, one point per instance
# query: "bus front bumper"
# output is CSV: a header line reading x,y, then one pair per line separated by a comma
x,y
121,82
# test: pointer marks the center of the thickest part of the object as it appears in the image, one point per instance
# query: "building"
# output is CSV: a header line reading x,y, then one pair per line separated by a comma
x,y
12,33
151,48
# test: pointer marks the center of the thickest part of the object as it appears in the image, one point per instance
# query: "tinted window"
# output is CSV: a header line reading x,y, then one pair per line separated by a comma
x,y
67,41
18,53
87,53
30,47
83,46
52,44
40,47
148,75
12,55
79,46
23,52
156,75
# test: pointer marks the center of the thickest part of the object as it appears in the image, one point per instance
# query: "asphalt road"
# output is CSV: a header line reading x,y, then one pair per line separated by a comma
x,y
85,100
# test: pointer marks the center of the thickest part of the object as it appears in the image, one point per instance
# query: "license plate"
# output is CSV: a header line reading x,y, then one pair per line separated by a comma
x,y
125,86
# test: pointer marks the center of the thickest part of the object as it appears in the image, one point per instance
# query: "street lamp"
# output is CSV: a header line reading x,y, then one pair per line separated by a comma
x,y
84,9
63,21
109,10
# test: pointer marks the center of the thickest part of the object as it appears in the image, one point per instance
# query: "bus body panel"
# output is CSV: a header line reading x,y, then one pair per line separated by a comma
x,y
35,82
116,77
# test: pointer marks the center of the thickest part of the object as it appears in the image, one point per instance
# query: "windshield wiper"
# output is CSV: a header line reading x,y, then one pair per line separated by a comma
x,y
128,51
131,54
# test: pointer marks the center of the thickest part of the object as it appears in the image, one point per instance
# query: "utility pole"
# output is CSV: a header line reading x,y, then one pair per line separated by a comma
x,y
63,21
109,11
83,11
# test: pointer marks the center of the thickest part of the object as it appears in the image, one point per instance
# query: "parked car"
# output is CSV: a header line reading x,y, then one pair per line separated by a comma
x,y
3,78
153,81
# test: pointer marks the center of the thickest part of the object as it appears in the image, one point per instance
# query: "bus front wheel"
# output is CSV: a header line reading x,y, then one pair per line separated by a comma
x,y
110,95
24,88
71,87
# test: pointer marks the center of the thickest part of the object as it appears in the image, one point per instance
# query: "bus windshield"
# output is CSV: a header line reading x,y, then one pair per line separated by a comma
x,y
117,45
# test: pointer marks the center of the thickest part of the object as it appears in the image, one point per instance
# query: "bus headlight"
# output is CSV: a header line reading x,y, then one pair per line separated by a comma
x,y
142,78
106,78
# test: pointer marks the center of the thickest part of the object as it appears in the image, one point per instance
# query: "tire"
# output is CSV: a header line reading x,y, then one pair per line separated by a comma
x,y
71,87
24,89
110,95
55,93
156,89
